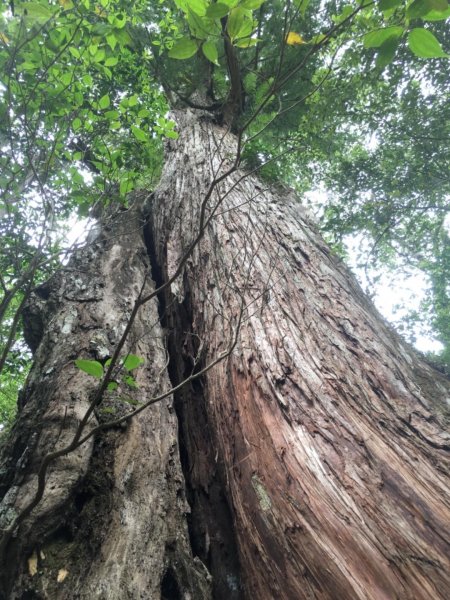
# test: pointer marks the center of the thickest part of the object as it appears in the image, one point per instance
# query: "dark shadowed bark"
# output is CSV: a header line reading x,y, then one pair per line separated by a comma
x,y
315,457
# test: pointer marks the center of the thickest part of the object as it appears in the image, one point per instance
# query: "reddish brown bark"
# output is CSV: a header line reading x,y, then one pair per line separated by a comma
x,y
329,432
320,444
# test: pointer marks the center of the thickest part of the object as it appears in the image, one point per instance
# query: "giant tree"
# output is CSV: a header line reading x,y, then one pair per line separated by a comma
x,y
215,409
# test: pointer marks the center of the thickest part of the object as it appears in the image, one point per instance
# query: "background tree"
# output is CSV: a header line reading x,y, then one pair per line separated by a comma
x,y
244,285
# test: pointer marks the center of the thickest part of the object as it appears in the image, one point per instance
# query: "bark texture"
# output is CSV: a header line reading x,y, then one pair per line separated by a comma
x,y
312,463
328,432
112,522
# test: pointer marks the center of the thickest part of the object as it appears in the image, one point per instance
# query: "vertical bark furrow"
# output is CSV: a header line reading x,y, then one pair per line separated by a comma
x,y
331,443
210,521
112,522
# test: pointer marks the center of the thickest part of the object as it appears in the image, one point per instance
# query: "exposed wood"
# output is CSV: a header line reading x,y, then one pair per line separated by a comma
x,y
318,449
330,431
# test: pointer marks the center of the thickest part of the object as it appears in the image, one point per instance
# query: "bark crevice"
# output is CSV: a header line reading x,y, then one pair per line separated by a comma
x,y
210,523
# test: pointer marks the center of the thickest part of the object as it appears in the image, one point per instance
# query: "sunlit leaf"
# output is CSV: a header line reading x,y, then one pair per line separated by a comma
x,y
111,61
209,49
246,43
424,44
251,4
91,367
140,135
198,6
132,362
235,21
104,102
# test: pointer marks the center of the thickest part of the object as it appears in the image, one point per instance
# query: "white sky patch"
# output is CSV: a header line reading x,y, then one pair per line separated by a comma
x,y
395,294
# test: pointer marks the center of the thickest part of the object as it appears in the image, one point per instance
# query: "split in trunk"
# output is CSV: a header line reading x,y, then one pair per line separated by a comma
x,y
317,448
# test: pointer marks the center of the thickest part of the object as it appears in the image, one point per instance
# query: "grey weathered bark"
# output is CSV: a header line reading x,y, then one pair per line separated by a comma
x,y
317,449
113,515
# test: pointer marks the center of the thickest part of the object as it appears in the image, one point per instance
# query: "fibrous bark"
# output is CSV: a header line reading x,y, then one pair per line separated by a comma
x,y
329,433
315,456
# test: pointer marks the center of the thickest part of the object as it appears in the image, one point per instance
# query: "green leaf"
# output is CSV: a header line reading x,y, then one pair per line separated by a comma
x,y
389,4
104,102
201,27
111,61
112,385
37,12
246,29
374,39
133,100
439,5
140,135
209,49
91,367
387,51
76,124
246,42
419,8
302,6
74,52
112,115
99,55
112,40
235,22
424,45
217,11
132,362
129,380
184,48
435,15
131,401
198,6
251,4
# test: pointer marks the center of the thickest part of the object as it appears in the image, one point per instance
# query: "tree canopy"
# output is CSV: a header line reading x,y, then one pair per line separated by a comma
x,y
348,97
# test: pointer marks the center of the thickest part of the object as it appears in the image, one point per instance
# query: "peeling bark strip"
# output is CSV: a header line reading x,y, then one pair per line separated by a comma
x,y
329,430
112,523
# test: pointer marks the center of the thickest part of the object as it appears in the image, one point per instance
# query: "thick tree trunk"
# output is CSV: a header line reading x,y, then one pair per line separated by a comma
x,y
315,457
112,522
328,432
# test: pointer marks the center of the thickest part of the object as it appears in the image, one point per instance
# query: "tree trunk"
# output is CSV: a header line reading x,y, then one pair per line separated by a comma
x,y
315,456
112,523
327,431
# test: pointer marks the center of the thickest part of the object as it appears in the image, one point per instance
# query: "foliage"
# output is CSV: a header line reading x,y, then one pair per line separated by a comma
x,y
121,374
348,94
